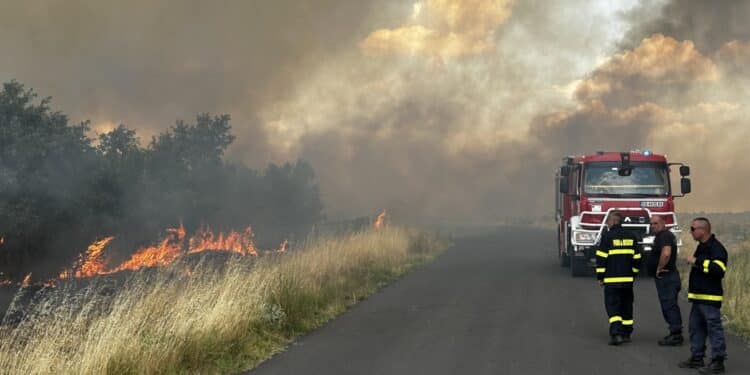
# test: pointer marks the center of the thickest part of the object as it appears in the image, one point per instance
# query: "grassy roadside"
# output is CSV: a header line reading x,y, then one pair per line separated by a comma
x,y
737,289
208,317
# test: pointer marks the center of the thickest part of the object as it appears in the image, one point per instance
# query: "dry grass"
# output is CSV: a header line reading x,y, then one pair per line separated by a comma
x,y
216,319
737,289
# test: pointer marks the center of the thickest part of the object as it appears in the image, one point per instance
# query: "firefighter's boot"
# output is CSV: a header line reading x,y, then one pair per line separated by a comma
x,y
673,339
715,367
692,362
616,340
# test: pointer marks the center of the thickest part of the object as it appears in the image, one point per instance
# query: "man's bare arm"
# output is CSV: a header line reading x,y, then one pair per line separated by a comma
x,y
666,252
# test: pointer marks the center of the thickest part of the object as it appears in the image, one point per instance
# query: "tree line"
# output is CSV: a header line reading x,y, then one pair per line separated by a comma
x,y
61,189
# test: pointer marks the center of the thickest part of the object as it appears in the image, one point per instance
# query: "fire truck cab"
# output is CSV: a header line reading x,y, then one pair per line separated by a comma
x,y
589,188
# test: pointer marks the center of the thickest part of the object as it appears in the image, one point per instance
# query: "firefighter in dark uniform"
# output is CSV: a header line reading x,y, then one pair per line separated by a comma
x,y
708,265
618,261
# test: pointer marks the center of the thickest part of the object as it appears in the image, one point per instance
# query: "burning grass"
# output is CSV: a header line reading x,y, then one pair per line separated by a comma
x,y
205,315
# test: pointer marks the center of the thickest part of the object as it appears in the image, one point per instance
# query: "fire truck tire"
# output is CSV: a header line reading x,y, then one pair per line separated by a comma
x,y
564,259
579,267
565,255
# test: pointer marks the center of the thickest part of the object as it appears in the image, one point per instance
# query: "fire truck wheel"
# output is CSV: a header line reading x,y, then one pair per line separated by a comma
x,y
564,260
579,267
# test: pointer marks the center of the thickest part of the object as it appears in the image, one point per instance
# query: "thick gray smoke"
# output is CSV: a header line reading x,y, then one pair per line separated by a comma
x,y
708,24
433,109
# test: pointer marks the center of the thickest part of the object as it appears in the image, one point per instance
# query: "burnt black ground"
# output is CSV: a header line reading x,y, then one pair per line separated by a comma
x,y
493,304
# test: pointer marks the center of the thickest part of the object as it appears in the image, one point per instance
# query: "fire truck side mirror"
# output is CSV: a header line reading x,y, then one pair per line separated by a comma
x,y
565,171
685,186
684,171
563,185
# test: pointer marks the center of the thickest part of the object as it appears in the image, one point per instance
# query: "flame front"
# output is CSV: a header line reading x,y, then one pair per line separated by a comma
x,y
163,254
380,221
26,281
4,280
282,247
173,246
93,264
235,242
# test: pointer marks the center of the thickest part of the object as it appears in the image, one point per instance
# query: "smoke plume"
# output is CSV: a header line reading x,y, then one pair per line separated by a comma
x,y
434,109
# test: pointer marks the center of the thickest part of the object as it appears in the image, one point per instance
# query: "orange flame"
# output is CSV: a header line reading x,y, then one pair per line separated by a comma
x,y
2,241
4,280
380,221
93,264
235,242
162,254
282,247
50,284
26,281
172,247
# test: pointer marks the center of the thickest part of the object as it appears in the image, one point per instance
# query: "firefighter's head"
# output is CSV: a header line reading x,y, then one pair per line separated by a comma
x,y
657,224
614,219
700,229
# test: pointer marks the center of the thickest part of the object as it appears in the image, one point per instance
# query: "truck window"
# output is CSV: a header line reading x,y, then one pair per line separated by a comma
x,y
647,179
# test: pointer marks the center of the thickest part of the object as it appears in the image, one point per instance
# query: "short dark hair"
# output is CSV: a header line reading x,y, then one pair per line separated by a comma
x,y
705,221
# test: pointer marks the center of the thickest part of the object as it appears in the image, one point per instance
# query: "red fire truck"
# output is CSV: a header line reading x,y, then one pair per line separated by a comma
x,y
635,184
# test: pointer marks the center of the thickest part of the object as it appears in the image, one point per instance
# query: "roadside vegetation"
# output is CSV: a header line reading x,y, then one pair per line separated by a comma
x,y
737,285
64,185
207,316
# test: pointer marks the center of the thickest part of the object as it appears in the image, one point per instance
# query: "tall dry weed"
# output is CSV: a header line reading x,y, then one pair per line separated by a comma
x,y
204,317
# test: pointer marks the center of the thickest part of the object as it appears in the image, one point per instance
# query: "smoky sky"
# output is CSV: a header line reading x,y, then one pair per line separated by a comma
x,y
708,24
432,109
146,63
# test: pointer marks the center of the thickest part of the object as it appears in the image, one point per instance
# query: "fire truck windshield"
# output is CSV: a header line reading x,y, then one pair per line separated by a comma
x,y
646,179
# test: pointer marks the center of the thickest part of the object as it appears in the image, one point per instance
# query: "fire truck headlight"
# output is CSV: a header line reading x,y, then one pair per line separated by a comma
x,y
585,237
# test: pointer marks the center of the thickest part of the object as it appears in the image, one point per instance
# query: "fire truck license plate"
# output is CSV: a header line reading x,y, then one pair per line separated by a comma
x,y
652,204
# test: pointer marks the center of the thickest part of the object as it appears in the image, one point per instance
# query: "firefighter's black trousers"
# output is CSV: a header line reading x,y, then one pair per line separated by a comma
x,y
618,300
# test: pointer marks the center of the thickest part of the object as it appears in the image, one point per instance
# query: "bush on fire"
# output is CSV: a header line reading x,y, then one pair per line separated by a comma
x,y
60,189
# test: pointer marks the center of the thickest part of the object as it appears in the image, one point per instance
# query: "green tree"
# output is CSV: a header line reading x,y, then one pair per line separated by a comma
x,y
45,166
59,191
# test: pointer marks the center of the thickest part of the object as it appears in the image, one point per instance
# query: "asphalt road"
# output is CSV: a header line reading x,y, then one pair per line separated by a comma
x,y
493,304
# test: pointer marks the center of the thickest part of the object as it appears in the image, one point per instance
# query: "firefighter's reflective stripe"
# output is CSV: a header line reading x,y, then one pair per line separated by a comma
x,y
705,265
721,265
627,322
637,256
622,252
602,254
705,297
601,270
635,270
608,280
615,319
621,243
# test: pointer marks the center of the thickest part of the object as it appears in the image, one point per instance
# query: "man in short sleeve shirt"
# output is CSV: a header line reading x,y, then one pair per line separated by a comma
x,y
662,264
